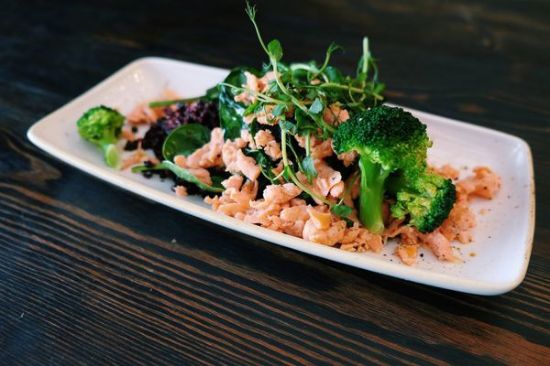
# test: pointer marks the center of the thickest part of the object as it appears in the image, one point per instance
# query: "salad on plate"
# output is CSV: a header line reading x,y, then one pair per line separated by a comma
x,y
302,149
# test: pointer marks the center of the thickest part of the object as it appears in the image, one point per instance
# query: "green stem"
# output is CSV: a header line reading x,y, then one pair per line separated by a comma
x,y
263,97
366,59
292,175
111,155
306,67
308,143
333,47
166,103
340,86
295,156
251,12
371,196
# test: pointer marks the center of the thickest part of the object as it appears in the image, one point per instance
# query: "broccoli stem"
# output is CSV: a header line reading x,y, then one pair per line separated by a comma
x,y
111,155
371,196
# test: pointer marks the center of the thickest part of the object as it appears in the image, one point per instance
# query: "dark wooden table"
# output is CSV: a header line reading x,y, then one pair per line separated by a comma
x,y
92,275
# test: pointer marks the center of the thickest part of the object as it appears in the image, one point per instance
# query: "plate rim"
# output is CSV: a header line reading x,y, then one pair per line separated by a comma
x,y
372,264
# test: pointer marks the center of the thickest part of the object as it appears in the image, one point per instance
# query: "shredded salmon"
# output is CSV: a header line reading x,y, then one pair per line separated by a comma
x,y
446,171
181,191
335,114
280,206
407,253
254,85
127,134
264,139
485,183
136,158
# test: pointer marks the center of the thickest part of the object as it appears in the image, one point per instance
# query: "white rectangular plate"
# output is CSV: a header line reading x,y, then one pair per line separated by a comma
x,y
494,263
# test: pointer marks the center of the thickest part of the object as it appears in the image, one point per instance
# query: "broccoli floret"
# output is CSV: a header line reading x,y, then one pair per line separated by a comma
x,y
101,126
392,141
427,201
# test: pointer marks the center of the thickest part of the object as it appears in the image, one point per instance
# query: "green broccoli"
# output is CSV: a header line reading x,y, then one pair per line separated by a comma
x,y
428,201
101,126
393,143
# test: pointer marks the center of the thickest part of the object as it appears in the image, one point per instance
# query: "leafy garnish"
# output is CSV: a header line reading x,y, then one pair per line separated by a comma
x,y
317,106
232,112
341,210
181,173
275,49
264,163
184,140
290,99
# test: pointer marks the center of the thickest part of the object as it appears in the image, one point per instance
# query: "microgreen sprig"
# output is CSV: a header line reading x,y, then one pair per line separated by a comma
x,y
298,97
274,51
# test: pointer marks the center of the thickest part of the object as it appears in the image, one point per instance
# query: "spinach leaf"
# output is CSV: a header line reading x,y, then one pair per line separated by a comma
x,y
343,211
184,140
231,112
181,173
212,94
264,162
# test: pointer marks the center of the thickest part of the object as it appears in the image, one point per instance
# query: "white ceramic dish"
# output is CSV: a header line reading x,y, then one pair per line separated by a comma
x,y
503,237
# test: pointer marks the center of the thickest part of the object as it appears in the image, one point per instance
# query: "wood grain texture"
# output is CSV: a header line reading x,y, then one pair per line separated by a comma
x,y
92,275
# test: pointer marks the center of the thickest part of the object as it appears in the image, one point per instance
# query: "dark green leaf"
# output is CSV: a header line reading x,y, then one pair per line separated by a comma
x,y
231,112
341,210
217,180
212,93
304,123
300,76
184,140
264,162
